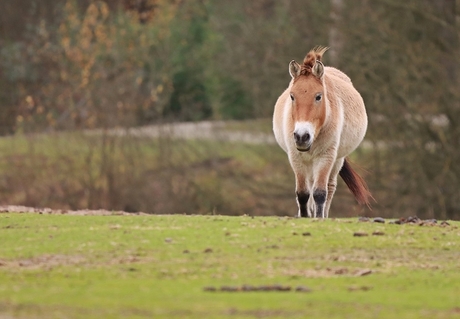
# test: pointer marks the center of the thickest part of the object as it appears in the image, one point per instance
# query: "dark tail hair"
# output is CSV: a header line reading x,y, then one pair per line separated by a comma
x,y
356,184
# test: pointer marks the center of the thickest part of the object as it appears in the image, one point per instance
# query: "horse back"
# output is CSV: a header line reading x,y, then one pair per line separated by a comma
x,y
331,71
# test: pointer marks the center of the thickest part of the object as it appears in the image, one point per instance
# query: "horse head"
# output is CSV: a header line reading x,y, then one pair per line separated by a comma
x,y
308,98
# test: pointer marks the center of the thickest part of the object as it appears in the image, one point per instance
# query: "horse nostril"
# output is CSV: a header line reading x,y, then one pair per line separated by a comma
x,y
296,137
304,138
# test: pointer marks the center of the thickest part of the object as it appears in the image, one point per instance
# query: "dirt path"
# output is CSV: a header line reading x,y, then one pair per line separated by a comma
x,y
47,211
206,130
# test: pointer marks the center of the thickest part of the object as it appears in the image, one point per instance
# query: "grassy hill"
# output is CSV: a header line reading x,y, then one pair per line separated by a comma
x,y
177,266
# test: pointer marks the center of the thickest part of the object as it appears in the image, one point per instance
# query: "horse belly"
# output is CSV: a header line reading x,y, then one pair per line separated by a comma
x,y
281,121
353,132
353,115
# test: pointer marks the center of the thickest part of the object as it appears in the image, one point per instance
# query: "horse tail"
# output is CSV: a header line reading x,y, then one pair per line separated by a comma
x,y
356,184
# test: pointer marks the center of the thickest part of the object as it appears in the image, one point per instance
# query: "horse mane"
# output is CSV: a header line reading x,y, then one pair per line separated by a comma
x,y
315,54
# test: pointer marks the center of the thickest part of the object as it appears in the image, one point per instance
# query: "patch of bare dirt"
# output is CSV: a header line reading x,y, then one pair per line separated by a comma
x,y
413,220
49,261
328,272
48,211
44,261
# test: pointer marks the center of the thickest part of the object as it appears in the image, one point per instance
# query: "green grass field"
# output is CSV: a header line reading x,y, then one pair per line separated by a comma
x,y
62,266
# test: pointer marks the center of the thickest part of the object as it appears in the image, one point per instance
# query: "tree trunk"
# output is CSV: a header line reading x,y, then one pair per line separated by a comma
x,y
335,36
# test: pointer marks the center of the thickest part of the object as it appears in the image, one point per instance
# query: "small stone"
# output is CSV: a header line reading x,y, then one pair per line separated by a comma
x,y
186,251
362,288
413,220
247,288
341,271
207,250
302,289
363,219
168,240
306,234
379,220
428,222
360,234
364,272
276,287
378,233
444,223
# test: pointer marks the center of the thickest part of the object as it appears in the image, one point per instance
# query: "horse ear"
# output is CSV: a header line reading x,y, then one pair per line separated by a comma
x,y
294,69
318,69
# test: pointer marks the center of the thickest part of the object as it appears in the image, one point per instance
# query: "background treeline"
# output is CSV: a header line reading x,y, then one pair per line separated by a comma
x,y
75,65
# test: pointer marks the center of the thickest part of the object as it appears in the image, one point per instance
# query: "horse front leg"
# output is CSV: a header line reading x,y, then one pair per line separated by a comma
x,y
321,188
302,200
320,196
302,195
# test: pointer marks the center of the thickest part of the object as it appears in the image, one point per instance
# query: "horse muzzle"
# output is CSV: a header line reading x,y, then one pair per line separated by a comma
x,y
303,141
304,134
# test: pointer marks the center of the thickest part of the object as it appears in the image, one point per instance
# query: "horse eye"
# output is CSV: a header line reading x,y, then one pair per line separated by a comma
x,y
292,97
318,97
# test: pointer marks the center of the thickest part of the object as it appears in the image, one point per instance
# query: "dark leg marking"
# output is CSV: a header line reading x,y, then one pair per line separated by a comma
x,y
320,198
302,198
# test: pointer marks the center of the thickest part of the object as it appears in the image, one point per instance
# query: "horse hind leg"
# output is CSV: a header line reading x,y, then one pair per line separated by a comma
x,y
332,185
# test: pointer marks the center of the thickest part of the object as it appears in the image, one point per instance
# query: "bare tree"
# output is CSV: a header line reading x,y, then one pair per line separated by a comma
x,y
335,34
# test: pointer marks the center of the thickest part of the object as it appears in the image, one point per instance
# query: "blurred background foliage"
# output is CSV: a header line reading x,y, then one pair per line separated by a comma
x,y
70,66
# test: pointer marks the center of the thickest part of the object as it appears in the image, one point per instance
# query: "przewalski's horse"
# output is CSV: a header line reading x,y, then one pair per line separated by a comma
x,y
318,121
